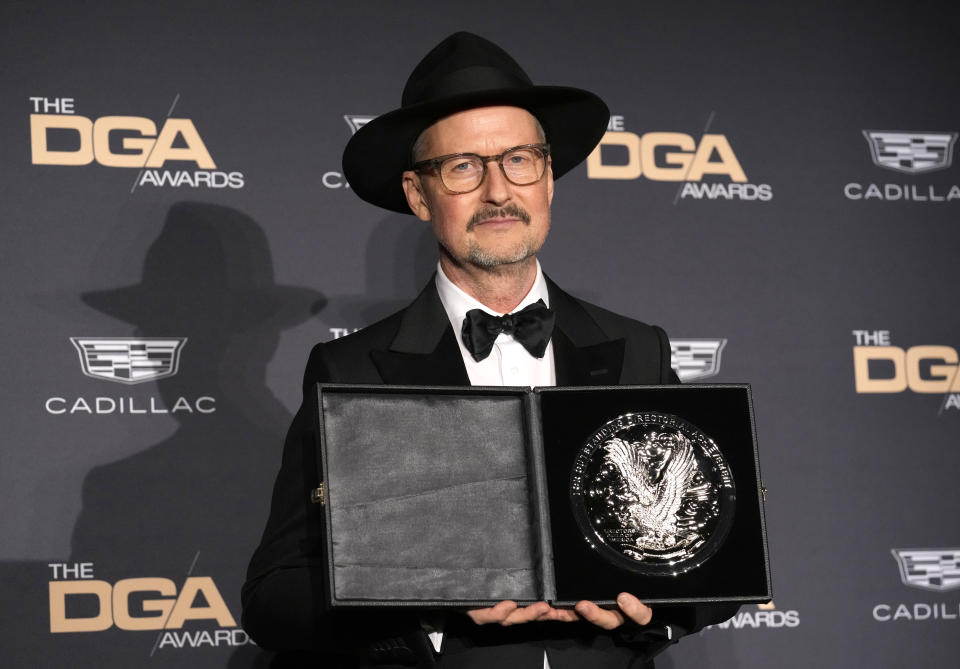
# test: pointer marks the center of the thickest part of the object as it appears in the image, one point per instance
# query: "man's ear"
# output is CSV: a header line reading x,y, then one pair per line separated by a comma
x,y
413,189
549,177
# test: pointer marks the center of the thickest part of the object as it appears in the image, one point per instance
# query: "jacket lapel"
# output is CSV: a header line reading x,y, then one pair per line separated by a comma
x,y
583,354
424,351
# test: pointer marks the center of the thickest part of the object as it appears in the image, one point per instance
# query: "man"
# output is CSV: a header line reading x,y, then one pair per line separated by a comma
x,y
474,150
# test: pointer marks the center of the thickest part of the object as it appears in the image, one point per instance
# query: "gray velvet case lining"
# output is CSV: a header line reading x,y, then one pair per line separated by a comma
x,y
441,512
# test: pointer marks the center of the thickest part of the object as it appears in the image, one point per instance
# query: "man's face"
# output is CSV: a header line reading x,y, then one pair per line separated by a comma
x,y
498,223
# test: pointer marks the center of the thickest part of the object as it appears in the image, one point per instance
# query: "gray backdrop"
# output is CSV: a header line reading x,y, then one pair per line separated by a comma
x,y
842,239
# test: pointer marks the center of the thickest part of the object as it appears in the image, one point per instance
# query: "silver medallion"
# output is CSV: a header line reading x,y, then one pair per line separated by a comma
x,y
652,493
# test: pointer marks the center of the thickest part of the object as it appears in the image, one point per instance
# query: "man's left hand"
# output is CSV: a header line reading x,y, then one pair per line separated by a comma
x,y
630,608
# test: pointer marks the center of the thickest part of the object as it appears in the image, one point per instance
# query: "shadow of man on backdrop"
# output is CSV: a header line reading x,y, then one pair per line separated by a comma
x,y
195,503
401,255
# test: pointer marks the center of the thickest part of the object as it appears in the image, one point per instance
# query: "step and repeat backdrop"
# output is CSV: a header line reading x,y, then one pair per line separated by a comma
x,y
777,189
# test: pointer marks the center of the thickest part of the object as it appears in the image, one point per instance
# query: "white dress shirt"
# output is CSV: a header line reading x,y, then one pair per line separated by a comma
x,y
509,363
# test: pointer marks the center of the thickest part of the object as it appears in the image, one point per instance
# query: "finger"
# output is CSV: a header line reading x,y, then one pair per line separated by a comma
x,y
634,609
494,614
560,615
527,614
603,618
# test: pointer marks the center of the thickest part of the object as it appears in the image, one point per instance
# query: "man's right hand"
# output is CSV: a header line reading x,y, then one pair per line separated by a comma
x,y
508,613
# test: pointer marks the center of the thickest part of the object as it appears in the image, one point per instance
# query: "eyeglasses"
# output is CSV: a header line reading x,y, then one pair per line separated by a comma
x,y
464,172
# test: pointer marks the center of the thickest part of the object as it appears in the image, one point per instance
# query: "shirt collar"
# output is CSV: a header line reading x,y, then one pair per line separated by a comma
x,y
457,303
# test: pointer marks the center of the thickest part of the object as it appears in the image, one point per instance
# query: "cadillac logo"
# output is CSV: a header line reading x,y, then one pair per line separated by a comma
x,y
911,152
696,358
356,121
129,361
652,493
929,569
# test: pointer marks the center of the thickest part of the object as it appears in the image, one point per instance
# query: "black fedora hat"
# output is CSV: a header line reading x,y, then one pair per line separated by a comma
x,y
462,72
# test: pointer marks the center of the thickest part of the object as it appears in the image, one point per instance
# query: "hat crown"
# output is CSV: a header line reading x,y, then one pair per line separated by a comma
x,y
216,247
462,63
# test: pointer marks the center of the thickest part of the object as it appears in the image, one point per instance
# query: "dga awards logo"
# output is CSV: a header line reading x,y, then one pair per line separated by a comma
x,y
336,333
930,569
61,136
333,179
191,615
129,361
911,154
880,367
766,616
695,359
707,168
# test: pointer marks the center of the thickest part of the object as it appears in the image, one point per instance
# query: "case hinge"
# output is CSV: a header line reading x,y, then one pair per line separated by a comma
x,y
318,495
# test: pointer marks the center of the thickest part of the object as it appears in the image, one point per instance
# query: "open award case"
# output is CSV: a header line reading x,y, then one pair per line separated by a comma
x,y
450,496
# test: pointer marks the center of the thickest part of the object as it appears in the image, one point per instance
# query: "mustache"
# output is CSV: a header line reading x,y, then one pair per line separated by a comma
x,y
510,211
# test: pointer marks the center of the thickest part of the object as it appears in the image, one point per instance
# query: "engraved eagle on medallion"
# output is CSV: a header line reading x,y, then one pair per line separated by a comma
x,y
654,490
657,472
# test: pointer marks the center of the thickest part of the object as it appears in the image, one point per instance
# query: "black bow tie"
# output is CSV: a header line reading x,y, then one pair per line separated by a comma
x,y
531,326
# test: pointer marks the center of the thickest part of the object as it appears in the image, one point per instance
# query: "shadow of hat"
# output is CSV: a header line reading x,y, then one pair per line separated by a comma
x,y
209,262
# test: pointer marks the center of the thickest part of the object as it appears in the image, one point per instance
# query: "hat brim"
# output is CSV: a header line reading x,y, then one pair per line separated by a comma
x,y
283,306
574,121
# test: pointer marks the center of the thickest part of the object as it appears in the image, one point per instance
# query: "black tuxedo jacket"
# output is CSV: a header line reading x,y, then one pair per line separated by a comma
x,y
283,598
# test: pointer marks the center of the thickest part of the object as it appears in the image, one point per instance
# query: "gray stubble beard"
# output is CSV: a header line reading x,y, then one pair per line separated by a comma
x,y
479,257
